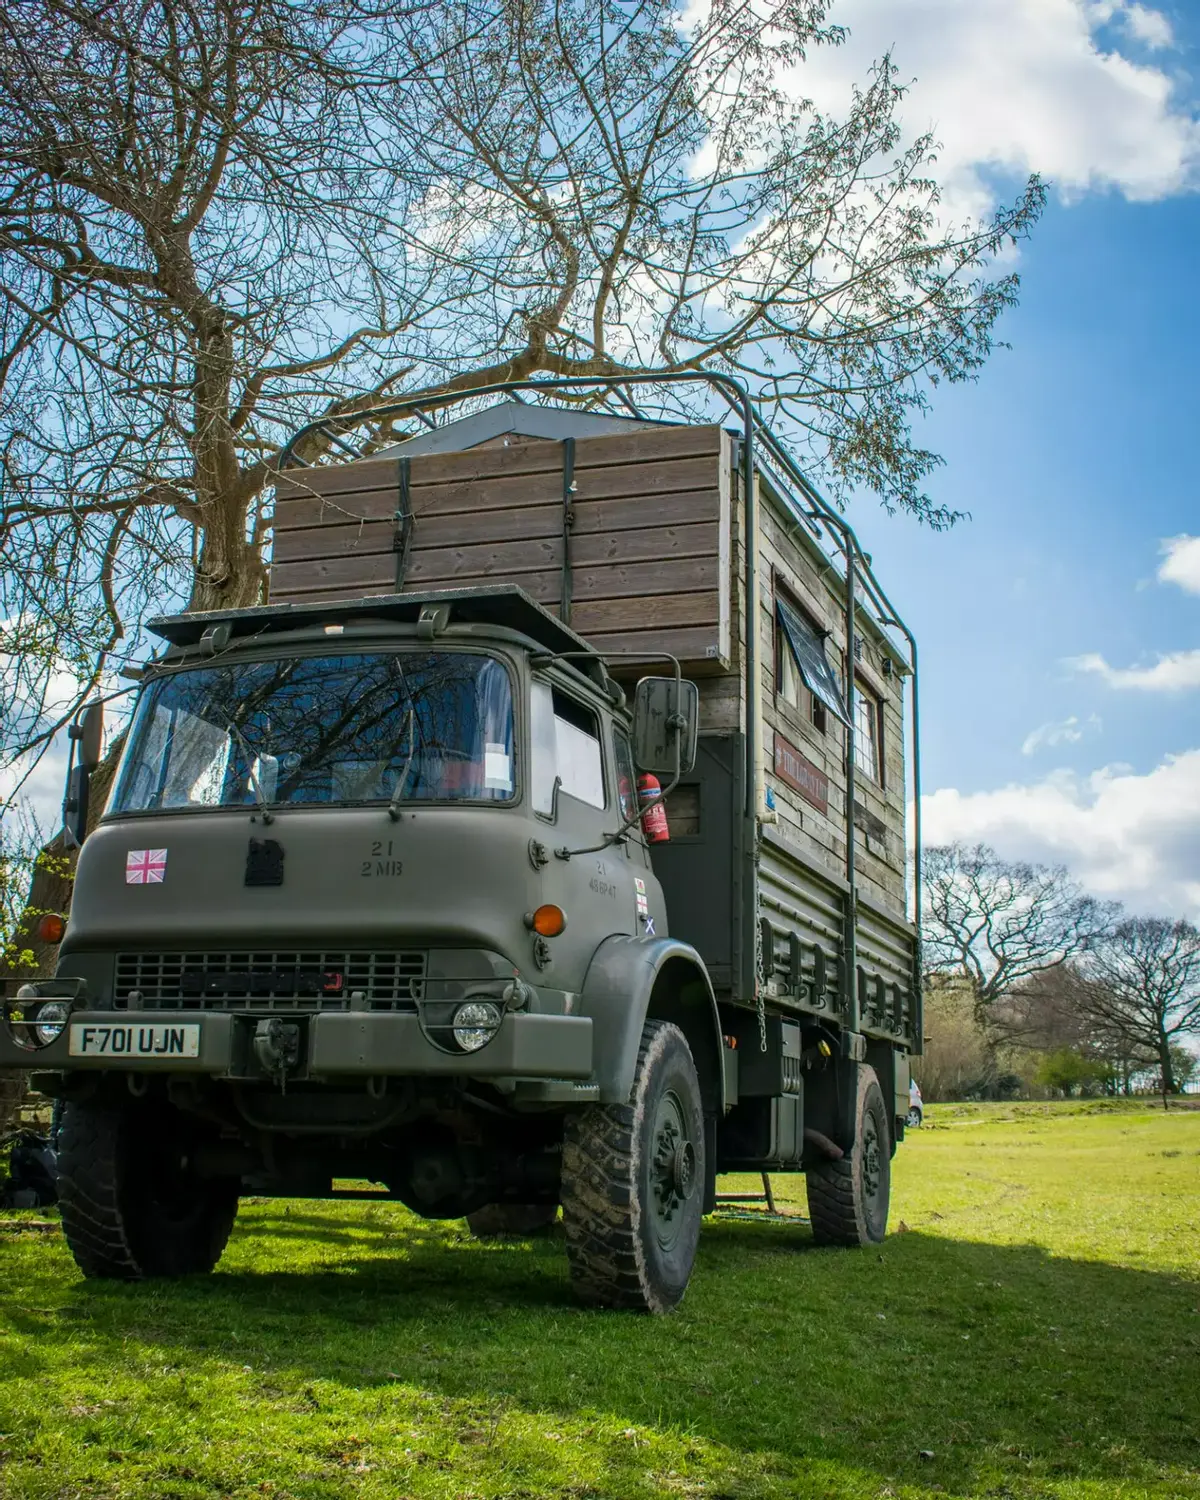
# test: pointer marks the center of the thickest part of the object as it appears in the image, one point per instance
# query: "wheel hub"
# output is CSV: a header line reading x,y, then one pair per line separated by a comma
x,y
872,1165
673,1169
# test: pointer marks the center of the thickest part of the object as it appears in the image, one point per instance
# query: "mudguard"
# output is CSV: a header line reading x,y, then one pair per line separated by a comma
x,y
616,995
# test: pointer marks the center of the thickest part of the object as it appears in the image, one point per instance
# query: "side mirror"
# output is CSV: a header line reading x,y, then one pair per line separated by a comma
x,y
666,723
87,733
75,806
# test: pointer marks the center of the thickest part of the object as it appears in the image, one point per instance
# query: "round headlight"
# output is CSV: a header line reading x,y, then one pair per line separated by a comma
x,y
475,1023
50,1020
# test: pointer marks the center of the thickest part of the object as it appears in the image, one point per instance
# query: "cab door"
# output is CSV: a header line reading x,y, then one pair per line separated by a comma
x,y
574,793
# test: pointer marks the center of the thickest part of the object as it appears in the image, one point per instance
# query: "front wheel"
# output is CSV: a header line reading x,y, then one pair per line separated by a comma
x,y
848,1199
912,1119
633,1182
131,1204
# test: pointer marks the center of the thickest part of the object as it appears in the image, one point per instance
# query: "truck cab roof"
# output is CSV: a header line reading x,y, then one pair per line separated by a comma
x,y
504,606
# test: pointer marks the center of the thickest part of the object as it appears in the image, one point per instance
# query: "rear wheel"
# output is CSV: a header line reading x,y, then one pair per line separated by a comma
x,y
522,1221
848,1199
913,1118
131,1204
633,1182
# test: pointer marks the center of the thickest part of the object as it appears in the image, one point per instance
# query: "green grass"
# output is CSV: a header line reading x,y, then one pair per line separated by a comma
x,y
1035,1328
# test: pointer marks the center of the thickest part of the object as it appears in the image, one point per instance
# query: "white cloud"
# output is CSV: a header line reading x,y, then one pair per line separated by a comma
x,y
42,792
1174,672
1061,732
1149,27
1133,838
1181,562
1024,85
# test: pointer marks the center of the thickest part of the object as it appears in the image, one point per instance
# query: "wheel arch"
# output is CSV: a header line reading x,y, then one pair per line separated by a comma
x,y
633,980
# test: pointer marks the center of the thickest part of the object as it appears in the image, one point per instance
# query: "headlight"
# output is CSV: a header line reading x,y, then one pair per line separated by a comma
x,y
34,1022
475,1024
50,1020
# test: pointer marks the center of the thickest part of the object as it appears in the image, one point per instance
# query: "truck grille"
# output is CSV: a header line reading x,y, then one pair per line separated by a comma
x,y
265,982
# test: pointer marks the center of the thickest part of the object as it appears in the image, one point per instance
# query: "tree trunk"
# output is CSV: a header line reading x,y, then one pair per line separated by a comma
x,y
231,573
1166,1070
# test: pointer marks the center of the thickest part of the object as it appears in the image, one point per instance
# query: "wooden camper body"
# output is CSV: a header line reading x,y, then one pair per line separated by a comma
x,y
634,532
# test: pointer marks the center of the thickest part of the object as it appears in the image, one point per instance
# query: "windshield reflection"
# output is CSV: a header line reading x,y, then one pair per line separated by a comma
x,y
377,727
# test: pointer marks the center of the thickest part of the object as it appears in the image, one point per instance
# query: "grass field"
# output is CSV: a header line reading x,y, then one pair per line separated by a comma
x,y
1031,1329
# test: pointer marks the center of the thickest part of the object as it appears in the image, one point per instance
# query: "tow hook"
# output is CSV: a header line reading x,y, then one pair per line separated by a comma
x,y
277,1047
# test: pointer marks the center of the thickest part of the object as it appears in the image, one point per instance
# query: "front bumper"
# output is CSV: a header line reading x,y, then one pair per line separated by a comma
x,y
333,1045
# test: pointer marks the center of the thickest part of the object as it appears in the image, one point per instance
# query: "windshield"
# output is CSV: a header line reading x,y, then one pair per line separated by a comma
x,y
411,726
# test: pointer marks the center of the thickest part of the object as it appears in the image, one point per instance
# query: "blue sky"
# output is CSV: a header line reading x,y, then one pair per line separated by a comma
x,y
1076,452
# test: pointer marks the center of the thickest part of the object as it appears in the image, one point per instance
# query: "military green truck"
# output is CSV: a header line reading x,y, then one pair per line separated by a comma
x,y
379,903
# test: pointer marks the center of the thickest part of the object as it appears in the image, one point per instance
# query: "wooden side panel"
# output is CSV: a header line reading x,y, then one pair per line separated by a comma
x,y
787,567
647,541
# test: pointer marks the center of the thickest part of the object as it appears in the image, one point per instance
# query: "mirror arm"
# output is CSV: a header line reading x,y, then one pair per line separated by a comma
x,y
615,838
609,840
69,839
676,721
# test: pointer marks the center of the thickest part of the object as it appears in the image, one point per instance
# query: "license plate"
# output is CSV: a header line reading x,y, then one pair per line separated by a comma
x,y
121,1039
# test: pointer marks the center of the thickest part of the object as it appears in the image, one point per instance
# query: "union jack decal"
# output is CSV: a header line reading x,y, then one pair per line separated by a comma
x,y
145,867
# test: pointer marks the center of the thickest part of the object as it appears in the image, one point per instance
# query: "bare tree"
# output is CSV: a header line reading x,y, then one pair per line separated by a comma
x,y
1144,992
624,192
1000,922
185,199
957,1059
218,220
1054,1012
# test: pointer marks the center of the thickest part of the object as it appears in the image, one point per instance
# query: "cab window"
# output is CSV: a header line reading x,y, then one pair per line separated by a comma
x,y
627,798
566,746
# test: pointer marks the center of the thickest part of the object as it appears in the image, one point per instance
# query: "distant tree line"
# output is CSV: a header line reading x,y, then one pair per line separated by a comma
x,y
1031,983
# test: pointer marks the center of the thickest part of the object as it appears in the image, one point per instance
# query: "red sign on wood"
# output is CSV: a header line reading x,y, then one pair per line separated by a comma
x,y
799,772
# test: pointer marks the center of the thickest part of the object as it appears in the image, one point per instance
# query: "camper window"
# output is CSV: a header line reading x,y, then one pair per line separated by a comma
x,y
866,731
803,677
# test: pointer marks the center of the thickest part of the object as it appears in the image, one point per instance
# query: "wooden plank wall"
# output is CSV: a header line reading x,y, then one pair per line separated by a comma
x,y
786,563
648,544
788,566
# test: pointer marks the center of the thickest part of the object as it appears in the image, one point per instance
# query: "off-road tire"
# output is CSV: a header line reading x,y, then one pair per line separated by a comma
x,y
517,1221
848,1199
633,1182
129,1208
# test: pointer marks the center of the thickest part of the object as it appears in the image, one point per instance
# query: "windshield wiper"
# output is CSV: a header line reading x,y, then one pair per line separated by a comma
x,y
264,806
398,789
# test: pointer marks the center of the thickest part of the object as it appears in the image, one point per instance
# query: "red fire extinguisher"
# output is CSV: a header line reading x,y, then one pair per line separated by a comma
x,y
654,814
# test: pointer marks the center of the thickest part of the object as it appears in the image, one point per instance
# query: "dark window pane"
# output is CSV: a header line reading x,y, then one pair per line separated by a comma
x,y
809,653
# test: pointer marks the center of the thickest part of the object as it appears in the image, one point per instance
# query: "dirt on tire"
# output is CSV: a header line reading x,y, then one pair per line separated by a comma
x,y
614,1257
841,1208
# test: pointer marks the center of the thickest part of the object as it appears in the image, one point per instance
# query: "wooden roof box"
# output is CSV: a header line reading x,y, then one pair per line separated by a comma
x,y
620,527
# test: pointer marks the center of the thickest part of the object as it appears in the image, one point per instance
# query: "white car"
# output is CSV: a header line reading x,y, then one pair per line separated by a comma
x,y
916,1106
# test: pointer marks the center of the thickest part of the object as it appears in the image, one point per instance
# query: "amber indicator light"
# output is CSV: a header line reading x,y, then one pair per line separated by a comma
x,y
50,928
548,921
